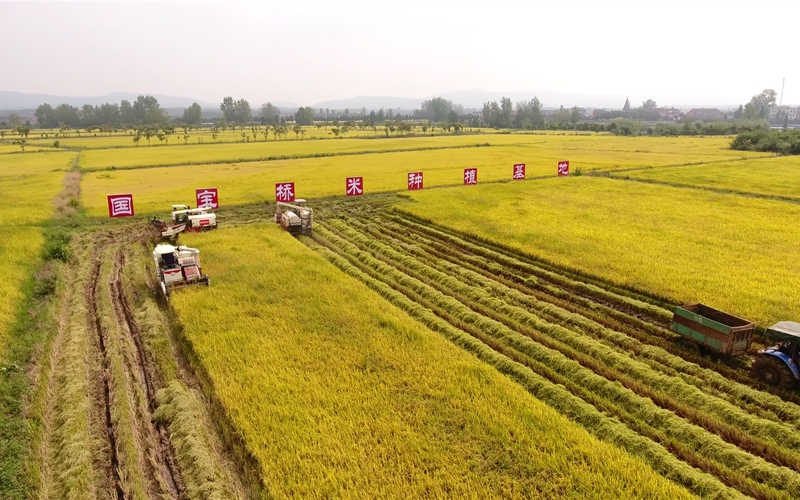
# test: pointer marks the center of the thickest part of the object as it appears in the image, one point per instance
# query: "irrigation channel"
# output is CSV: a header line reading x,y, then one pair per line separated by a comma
x,y
600,354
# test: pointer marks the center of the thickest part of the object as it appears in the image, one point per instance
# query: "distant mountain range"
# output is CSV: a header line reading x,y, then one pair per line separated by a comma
x,y
470,99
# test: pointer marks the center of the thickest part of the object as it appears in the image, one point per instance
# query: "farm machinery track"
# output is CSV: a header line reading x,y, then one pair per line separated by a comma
x,y
601,354
104,432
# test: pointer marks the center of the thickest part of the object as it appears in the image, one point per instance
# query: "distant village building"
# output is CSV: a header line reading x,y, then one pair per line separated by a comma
x,y
669,114
792,113
706,114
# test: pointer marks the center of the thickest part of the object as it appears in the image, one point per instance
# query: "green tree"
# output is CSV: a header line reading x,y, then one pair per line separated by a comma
x,y
193,115
575,115
627,107
270,113
649,105
46,116
507,107
436,109
304,116
759,105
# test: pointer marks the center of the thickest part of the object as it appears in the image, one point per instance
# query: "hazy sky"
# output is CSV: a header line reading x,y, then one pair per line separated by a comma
x,y
307,52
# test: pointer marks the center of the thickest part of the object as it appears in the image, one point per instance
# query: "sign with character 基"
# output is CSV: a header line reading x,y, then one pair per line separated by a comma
x,y
563,168
120,205
354,186
207,198
284,191
519,172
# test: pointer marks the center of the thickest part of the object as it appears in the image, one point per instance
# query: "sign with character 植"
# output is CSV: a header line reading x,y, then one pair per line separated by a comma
x,y
120,205
414,181
284,191
519,172
470,176
207,198
354,186
563,168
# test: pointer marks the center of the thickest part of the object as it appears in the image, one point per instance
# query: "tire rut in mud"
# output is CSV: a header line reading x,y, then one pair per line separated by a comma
x,y
96,327
164,453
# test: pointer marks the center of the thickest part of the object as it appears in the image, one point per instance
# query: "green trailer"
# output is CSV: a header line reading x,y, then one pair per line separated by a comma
x,y
704,327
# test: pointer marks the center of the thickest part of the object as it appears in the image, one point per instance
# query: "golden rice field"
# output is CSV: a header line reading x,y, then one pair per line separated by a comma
x,y
732,252
28,184
254,181
339,394
777,176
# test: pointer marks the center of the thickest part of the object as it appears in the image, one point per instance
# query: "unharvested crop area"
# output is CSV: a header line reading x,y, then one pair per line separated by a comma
x,y
770,177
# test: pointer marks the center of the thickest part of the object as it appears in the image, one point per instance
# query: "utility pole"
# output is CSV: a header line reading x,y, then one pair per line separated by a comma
x,y
782,85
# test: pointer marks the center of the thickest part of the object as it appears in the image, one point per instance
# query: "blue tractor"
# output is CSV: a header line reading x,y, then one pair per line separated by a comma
x,y
777,365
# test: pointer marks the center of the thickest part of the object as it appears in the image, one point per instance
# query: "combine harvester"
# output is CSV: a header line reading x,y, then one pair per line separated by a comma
x,y
295,218
178,267
190,220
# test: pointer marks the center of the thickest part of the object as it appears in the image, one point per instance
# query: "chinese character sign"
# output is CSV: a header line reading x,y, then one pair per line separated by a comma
x,y
120,205
563,168
284,191
207,198
470,176
415,180
354,186
519,171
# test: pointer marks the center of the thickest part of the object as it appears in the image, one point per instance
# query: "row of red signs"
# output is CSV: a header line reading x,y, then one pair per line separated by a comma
x,y
121,205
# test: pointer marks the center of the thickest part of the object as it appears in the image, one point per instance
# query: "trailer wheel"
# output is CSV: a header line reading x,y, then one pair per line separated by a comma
x,y
772,371
692,346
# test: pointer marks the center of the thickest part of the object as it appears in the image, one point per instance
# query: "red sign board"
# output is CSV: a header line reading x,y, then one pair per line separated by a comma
x,y
519,172
354,186
563,168
120,205
284,191
414,180
470,176
207,198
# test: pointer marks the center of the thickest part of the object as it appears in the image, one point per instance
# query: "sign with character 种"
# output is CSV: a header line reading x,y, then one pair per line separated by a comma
x,y
207,197
563,168
414,181
120,205
284,191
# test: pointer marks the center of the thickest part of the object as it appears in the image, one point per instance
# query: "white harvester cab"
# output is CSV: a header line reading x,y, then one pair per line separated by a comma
x,y
178,267
295,218
195,219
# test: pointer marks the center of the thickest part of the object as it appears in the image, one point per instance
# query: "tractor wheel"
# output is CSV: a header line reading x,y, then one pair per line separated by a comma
x,y
772,371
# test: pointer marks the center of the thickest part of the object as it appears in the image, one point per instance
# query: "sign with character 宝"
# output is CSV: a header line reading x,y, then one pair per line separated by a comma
x,y
414,181
120,205
207,198
563,168
284,191
354,186
470,176
519,172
